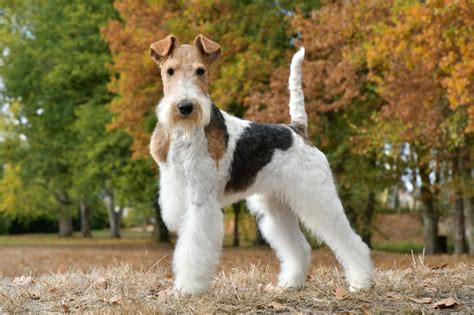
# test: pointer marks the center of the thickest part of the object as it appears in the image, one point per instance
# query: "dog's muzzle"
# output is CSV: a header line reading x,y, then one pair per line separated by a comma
x,y
185,107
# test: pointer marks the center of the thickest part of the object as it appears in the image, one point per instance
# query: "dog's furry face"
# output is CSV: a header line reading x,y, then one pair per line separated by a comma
x,y
185,75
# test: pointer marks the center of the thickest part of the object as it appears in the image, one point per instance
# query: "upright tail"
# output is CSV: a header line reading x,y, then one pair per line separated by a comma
x,y
299,119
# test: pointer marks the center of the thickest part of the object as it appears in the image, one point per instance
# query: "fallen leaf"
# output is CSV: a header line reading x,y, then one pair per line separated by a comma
x,y
65,308
439,266
277,306
425,300
114,300
365,309
449,302
341,293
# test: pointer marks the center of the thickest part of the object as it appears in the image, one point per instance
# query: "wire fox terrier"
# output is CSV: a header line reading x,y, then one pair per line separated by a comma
x,y
209,159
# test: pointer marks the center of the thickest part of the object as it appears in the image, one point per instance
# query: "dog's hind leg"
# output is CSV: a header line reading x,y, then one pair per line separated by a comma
x,y
280,227
321,211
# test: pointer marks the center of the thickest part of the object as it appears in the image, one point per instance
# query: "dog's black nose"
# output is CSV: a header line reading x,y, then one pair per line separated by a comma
x,y
185,107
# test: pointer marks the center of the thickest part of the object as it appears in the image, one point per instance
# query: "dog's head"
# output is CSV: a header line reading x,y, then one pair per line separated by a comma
x,y
185,75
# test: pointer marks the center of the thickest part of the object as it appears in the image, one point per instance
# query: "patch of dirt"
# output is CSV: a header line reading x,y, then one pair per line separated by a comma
x,y
395,228
36,260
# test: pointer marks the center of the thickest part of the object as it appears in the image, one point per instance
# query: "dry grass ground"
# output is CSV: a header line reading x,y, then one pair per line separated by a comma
x,y
123,289
44,273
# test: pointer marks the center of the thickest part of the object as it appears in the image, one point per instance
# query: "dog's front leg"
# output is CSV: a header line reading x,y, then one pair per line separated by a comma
x,y
173,202
200,241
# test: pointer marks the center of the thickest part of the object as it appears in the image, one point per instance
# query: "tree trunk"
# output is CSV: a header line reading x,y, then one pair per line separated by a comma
x,y
459,238
469,213
65,224
64,216
345,195
114,215
161,231
115,221
366,220
236,210
467,182
430,215
85,219
467,178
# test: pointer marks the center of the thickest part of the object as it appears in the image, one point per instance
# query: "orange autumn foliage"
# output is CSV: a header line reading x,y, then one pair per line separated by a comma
x,y
417,57
251,34
333,68
137,79
422,60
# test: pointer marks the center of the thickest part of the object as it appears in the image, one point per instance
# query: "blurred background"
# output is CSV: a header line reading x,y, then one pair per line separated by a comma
x,y
389,89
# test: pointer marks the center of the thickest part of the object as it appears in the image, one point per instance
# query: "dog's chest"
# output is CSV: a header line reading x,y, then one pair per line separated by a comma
x,y
182,150
209,142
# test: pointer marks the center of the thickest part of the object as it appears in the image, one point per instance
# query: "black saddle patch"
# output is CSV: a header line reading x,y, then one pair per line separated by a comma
x,y
254,150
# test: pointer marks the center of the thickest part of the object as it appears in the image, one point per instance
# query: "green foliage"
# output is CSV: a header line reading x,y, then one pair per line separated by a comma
x,y
55,76
19,200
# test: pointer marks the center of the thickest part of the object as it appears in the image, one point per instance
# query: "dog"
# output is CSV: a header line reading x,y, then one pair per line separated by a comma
x,y
209,159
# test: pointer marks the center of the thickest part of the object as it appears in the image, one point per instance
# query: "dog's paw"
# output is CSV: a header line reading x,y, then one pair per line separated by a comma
x,y
359,283
291,282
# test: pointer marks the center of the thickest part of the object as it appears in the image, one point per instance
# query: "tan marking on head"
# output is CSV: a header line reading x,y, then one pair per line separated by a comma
x,y
211,50
185,75
185,60
160,143
161,49
184,63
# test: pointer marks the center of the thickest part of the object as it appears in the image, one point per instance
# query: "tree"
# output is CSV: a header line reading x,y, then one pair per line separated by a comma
x,y
422,61
100,161
55,63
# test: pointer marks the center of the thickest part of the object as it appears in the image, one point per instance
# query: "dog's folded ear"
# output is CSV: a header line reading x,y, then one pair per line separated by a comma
x,y
160,49
211,50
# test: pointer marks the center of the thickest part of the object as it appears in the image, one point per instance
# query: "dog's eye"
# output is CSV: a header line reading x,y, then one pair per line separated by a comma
x,y
200,71
170,71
